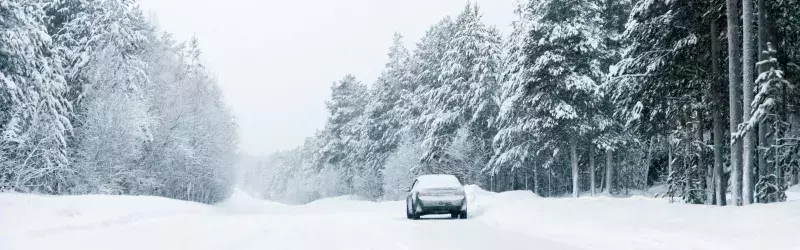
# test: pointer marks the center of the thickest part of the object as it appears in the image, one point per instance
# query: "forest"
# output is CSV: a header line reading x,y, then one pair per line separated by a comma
x,y
583,97
95,100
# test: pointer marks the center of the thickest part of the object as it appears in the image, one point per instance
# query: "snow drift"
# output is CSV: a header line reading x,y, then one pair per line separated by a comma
x,y
644,223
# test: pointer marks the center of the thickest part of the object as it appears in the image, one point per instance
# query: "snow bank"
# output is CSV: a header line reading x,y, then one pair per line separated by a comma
x,y
28,214
641,222
473,190
351,204
479,200
793,193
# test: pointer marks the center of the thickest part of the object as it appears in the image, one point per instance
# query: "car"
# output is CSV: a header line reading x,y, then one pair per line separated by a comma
x,y
436,194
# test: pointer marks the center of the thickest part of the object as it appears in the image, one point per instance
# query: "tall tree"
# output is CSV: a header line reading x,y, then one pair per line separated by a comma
x,y
512,143
720,184
734,83
662,77
348,99
382,119
33,111
564,56
425,67
748,64
462,98
609,178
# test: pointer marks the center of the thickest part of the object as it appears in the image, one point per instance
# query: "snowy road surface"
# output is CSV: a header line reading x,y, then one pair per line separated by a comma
x,y
514,220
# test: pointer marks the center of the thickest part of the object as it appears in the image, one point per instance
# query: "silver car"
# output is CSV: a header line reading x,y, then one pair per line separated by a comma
x,y
436,194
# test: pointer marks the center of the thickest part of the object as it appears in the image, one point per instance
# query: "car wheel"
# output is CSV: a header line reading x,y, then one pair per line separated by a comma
x,y
408,210
414,214
462,215
454,215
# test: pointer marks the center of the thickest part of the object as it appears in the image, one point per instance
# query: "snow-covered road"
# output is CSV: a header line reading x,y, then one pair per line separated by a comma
x,y
372,226
514,220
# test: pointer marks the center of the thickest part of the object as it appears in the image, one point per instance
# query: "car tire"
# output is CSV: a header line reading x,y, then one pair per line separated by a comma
x,y
454,215
462,215
408,213
414,214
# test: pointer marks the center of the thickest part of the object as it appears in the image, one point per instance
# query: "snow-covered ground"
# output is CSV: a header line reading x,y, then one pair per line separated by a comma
x,y
510,220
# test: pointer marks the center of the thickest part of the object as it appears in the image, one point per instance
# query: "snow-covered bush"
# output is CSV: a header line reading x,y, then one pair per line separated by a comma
x,y
398,172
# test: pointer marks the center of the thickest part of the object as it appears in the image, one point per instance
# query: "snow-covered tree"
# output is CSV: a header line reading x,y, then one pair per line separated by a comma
x,y
104,46
340,136
653,96
463,94
34,115
563,56
382,120
92,100
631,91
398,173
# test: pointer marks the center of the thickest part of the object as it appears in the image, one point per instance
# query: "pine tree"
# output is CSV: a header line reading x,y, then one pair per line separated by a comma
x,y
512,144
460,99
425,69
575,78
661,80
382,119
104,44
565,58
767,106
33,112
348,99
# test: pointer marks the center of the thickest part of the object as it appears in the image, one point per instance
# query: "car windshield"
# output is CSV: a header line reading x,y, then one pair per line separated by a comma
x,y
437,181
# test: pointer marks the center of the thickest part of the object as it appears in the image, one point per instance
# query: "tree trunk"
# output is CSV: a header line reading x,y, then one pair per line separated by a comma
x,y
549,182
763,166
776,160
779,167
669,158
602,184
536,178
719,182
794,122
649,161
591,169
526,182
762,125
609,165
513,182
734,87
749,63
701,158
686,157
491,182
573,150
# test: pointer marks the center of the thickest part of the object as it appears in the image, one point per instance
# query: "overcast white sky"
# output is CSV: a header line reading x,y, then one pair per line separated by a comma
x,y
276,59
